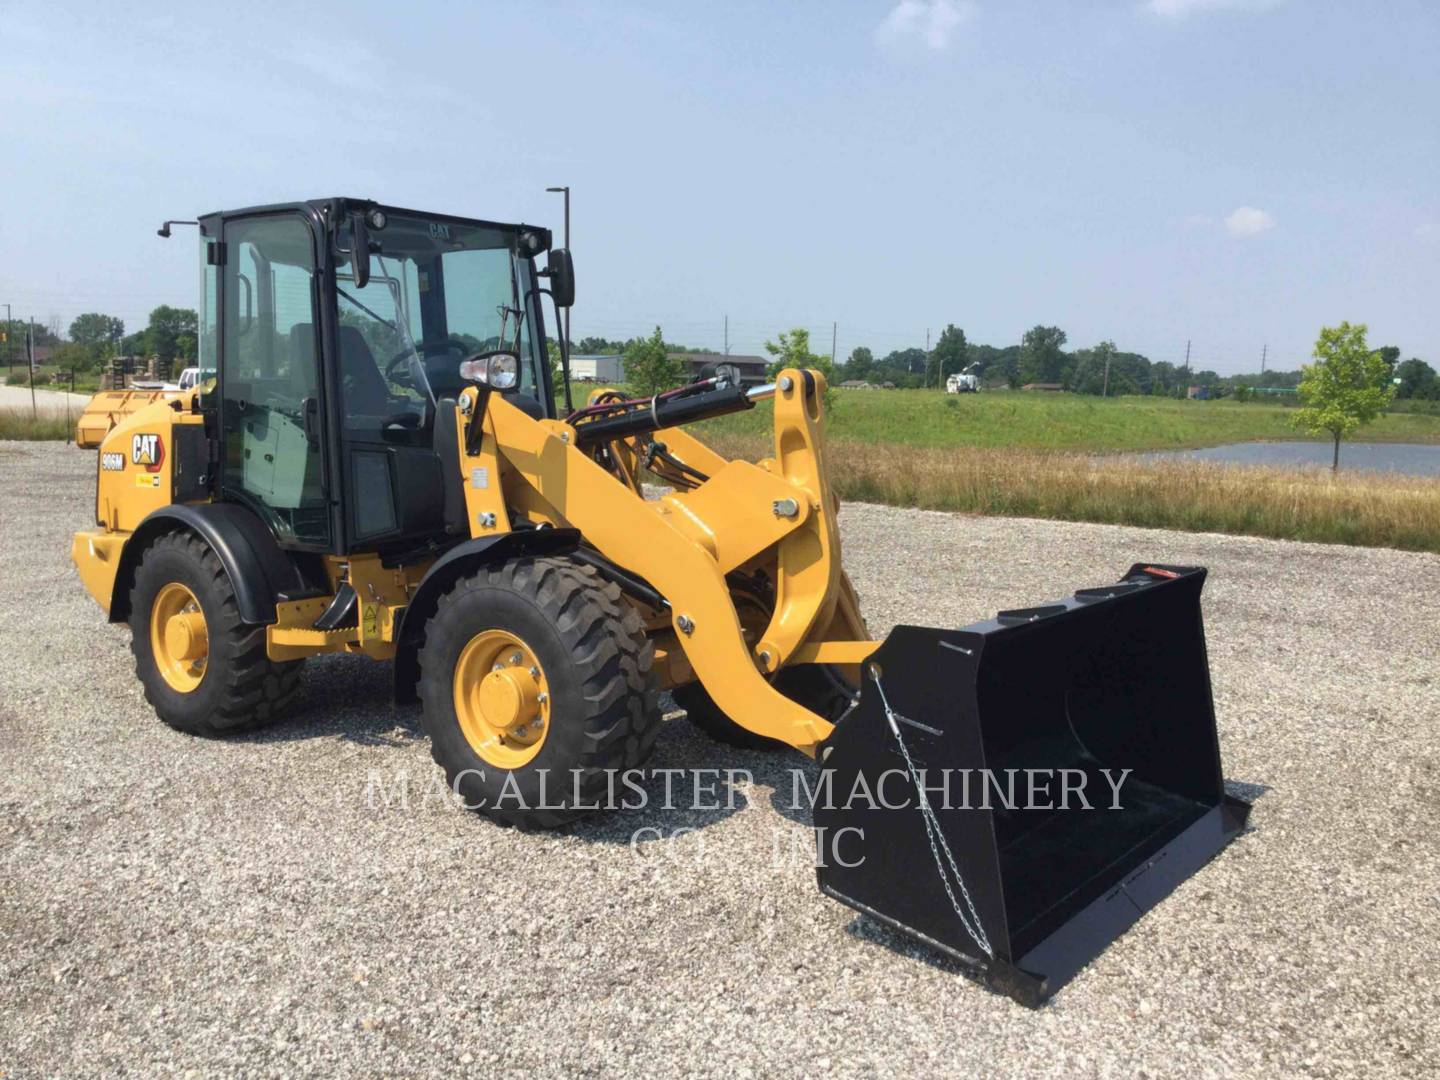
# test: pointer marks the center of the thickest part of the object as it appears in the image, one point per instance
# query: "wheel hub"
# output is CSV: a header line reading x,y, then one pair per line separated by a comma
x,y
179,638
185,636
501,700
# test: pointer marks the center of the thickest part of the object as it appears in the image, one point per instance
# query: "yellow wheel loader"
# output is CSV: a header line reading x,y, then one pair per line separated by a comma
x,y
374,462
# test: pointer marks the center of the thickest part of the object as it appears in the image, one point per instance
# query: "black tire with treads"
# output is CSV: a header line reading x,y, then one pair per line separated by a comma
x,y
597,662
242,687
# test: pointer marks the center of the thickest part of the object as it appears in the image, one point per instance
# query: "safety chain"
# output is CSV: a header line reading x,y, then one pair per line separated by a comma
x,y
934,835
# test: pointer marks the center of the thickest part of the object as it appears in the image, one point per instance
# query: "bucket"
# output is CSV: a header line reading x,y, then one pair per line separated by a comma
x,y
1071,779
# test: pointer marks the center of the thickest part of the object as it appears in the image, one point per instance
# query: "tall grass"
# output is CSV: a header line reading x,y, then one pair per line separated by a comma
x,y
1039,421
48,423
1370,509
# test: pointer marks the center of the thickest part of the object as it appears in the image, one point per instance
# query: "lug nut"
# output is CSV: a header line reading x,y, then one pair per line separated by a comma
x,y
686,624
785,508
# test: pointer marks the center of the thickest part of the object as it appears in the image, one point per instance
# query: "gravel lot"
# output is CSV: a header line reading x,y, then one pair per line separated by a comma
x,y
272,905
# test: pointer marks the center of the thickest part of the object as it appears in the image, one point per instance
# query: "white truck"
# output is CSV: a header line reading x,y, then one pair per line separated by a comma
x,y
964,383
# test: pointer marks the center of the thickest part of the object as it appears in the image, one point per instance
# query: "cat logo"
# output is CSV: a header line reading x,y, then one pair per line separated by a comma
x,y
147,450
439,230
112,462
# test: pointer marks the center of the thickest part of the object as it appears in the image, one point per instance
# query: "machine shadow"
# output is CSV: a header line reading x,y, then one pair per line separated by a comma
x,y
348,698
730,778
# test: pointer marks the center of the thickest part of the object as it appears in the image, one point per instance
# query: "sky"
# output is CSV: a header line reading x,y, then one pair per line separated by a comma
x,y
1232,173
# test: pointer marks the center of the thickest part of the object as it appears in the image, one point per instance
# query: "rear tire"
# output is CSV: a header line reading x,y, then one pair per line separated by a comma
x,y
548,627
233,686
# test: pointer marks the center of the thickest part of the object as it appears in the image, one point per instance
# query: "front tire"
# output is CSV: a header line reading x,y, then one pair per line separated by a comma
x,y
536,685
204,669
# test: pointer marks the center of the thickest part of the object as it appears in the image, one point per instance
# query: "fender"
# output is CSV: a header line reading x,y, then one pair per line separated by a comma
x,y
450,568
259,570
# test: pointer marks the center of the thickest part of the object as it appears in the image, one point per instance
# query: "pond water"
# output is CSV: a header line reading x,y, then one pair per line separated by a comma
x,y
1412,459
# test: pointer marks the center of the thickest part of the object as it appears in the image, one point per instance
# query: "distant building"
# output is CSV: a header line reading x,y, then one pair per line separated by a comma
x,y
856,384
1049,387
601,368
752,368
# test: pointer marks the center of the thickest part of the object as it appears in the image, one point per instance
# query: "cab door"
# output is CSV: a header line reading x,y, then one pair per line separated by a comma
x,y
273,456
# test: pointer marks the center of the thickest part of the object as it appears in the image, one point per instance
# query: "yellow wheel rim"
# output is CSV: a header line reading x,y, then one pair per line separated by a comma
x,y
501,699
179,640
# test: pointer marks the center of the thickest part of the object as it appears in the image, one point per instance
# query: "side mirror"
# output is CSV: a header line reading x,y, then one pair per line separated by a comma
x,y
726,373
359,250
498,370
561,272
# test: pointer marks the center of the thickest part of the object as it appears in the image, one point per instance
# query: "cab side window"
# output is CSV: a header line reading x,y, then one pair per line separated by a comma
x,y
271,394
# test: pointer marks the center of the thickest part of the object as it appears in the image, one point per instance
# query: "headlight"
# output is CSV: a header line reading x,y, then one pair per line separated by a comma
x,y
499,371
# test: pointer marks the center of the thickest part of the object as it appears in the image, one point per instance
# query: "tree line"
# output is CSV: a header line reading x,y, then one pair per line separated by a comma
x,y
172,334
1041,357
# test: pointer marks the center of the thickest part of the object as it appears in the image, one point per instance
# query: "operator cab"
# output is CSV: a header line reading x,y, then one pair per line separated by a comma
x,y
338,328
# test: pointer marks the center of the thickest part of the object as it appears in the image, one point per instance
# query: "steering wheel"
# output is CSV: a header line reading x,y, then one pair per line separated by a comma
x,y
406,379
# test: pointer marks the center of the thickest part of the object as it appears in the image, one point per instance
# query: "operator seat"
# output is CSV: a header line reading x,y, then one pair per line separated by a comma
x,y
364,392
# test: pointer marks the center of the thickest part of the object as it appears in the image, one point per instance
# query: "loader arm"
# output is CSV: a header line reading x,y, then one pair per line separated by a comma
x,y
685,543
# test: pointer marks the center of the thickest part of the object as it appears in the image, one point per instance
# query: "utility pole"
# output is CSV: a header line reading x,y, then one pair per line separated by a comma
x,y
30,356
834,330
1185,390
566,192
1105,390
1264,352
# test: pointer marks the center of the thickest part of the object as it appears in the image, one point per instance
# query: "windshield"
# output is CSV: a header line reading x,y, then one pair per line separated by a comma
x,y
439,291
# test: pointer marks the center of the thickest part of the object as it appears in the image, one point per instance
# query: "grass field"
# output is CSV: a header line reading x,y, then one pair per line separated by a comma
x,y
48,424
1365,508
1037,456
1035,421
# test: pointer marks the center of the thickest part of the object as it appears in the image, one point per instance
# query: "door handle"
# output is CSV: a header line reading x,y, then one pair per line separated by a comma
x,y
310,414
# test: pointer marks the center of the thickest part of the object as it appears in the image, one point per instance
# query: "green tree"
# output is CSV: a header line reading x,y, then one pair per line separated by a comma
x,y
1042,355
649,367
172,333
1347,386
792,350
860,364
1417,380
557,370
97,332
1101,371
949,357
1391,355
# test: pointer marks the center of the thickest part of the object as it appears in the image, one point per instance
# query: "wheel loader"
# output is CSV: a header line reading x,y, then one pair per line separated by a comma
x,y
375,462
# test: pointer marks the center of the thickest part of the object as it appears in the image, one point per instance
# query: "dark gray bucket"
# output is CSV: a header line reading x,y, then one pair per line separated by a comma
x,y
1066,695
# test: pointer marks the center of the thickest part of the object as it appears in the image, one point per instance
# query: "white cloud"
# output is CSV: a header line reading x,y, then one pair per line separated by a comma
x,y
1248,221
1179,9
928,23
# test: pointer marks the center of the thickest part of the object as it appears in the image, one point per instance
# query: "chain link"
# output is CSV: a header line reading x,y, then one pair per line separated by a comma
x,y
935,836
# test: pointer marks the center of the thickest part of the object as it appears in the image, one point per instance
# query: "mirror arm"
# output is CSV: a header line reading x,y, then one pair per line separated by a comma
x,y
564,352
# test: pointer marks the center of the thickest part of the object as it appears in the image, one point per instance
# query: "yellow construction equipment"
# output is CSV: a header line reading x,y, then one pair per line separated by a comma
x,y
379,466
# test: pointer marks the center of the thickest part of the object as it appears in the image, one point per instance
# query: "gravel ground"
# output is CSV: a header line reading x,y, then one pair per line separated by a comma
x,y
271,904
